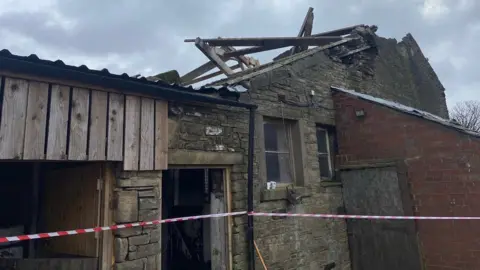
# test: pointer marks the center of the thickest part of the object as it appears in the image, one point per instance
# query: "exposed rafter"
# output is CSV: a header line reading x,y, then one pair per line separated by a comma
x,y
221,50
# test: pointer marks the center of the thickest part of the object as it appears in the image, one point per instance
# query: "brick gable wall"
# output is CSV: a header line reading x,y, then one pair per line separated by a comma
x,y
443,174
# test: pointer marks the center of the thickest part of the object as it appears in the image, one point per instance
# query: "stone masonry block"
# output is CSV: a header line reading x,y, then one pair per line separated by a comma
x,y
138,182
139,240
156,235
131,265
127,208
128,232
148,203
149,214
145,251
121,249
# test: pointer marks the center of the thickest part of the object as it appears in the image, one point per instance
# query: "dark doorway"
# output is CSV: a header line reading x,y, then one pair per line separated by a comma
x,y
379,244
49,197
188,244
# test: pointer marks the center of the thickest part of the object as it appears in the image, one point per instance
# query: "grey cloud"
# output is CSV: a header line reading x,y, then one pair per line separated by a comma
x,y
149,34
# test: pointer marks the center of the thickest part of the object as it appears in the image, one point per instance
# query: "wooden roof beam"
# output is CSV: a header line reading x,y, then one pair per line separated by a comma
x,y
305,30
210,53
209,76
270,41
197,72
255,49
338,32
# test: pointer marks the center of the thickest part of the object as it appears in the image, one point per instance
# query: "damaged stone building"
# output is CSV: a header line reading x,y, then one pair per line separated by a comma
x,y
295,143
205,167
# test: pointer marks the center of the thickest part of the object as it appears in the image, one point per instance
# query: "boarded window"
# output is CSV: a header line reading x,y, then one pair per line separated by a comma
x,y
278,150
324,152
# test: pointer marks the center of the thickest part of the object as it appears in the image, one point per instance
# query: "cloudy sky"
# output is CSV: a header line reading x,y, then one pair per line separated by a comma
x,y
147,36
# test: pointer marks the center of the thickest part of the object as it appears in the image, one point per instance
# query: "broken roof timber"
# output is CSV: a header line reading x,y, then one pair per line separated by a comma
x,y
339,32
221,50
253,72
215,58
270,41
305,31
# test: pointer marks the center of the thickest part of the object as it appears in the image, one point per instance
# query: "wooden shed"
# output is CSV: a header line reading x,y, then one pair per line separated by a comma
x,y
64,131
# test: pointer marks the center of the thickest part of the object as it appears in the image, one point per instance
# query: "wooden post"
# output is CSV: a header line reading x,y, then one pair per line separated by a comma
x,y
106,255
34,207
228,195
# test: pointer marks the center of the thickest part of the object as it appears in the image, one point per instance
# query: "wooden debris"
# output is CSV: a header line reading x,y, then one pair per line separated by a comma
x,y
220,50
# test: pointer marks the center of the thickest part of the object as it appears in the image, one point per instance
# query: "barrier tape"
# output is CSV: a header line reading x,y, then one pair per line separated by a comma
x,y
160,221
111,228
359,216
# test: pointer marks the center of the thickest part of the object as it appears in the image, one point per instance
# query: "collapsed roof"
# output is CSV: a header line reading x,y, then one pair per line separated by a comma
x,y
221,50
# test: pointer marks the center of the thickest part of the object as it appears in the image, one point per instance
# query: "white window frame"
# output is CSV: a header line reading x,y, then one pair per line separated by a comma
x,y
288,125
328,153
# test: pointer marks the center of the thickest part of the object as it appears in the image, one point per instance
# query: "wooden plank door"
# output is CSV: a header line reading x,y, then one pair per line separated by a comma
x,y
378,244
218,226
71,201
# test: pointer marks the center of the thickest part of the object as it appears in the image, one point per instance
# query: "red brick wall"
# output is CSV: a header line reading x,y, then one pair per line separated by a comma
x,y
443,173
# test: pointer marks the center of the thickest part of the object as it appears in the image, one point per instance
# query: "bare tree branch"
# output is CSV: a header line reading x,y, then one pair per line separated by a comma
x,y
467,114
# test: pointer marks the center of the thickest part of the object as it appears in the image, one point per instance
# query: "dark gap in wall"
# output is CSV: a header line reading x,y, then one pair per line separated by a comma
x,y
47,124
70,102
89,121
124,124
107,125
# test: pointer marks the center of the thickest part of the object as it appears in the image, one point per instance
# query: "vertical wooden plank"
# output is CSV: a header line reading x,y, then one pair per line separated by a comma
x,y
79,124
147,133
98,126
132,133
217,233
228,194
106,257
58,123
14,109
34,145
115,127
80,212
161,135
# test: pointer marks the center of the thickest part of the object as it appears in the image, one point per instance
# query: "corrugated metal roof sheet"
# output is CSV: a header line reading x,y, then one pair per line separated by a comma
x,y
408,110
230,92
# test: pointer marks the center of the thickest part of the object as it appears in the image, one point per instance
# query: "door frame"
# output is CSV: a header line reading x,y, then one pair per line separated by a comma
x,y
106,258
227,192
405,195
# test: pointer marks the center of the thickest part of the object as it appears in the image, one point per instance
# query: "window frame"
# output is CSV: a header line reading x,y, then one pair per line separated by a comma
x,y
330,147
288,126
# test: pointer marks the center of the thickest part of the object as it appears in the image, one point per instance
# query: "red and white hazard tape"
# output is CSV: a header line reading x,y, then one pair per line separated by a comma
x,y
114,227
156,222
331,216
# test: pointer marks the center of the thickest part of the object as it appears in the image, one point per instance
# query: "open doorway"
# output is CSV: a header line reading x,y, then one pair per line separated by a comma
x,y
47,197
194,244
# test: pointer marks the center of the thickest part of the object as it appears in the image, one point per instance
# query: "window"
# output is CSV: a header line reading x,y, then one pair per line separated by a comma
x,y
324,152
278,151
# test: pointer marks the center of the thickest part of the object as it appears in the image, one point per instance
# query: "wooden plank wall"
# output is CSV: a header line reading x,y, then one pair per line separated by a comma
x,y
45,121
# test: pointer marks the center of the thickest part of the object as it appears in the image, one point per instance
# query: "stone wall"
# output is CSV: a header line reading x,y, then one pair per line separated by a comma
x,y
397,71
201,134
213,135
299,243
138,198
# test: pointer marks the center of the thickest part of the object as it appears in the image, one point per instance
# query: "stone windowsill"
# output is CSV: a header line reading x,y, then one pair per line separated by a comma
x,y
326,182
279,193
